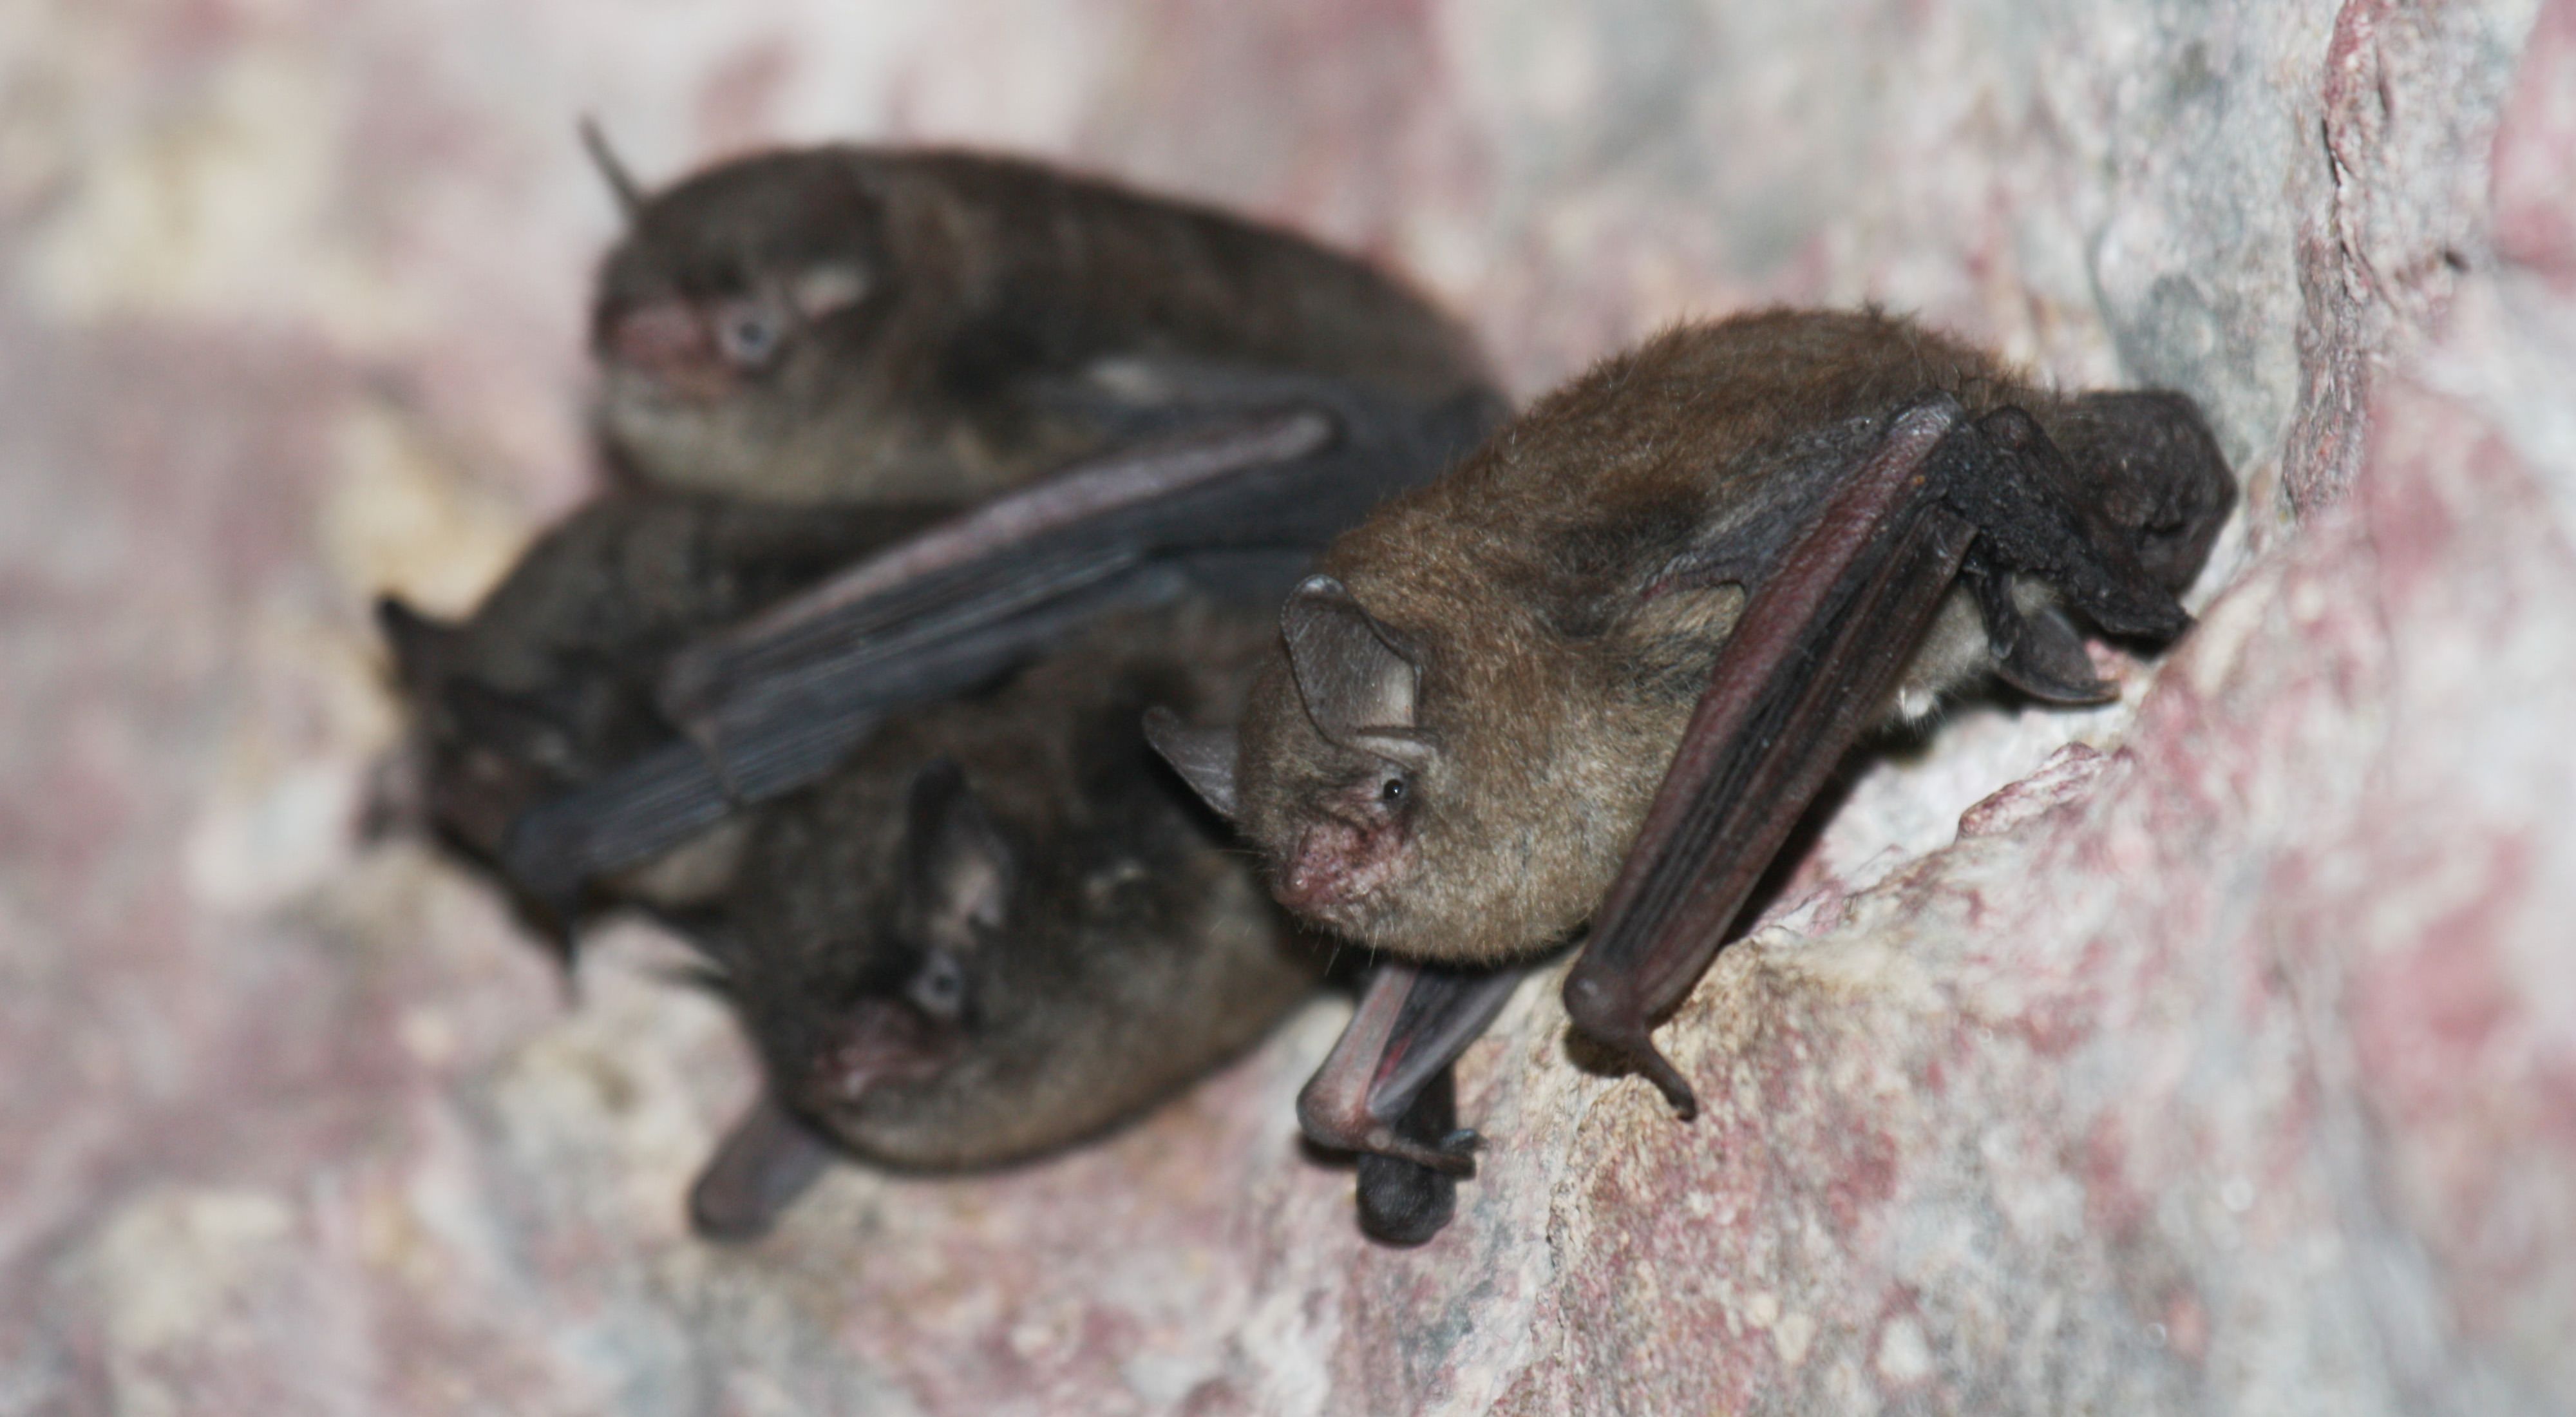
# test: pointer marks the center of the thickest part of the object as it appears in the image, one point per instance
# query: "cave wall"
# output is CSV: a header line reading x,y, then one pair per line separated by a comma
x,y
2215,1050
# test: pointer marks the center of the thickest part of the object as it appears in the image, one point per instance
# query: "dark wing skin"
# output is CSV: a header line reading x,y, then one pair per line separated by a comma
x,y
1804,673
1818,650
1274,467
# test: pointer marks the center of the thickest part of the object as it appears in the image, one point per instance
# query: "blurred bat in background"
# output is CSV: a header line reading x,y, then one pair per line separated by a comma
x,y
853,322
550,683
590,729
1251,394
1617,652
1002,926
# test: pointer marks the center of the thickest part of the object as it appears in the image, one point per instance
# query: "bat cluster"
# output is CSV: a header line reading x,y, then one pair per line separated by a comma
x,y
933,472
946,483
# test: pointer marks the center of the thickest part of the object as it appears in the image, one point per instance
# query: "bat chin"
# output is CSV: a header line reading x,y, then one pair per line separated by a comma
x,y
1348,918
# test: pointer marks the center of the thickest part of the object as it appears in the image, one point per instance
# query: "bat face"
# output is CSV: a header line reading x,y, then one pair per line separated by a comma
x,y
1003,925
1397,807
739,322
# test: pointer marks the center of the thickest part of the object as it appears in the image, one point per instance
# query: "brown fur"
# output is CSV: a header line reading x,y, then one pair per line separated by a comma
x,y
1566,589
986,278
1137,950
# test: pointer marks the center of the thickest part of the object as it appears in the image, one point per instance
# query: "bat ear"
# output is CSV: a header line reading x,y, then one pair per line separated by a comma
x,y
422,647
630,198
1356,674
960,866
1204,757
759,1169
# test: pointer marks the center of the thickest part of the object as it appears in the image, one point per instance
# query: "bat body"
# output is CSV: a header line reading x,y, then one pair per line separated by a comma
x,y
813,325
1616,652
1001,926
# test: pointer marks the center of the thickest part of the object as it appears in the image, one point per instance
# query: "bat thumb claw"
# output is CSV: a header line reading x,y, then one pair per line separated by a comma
x,y
1610,1015
1660,1071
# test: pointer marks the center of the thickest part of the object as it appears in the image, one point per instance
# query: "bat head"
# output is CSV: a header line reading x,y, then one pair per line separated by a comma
x,y
1395,803
480,754
740,314
503,713
927,989
956,965
1337,776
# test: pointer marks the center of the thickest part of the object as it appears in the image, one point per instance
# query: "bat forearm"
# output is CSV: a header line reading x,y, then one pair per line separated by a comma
x,y
1802,676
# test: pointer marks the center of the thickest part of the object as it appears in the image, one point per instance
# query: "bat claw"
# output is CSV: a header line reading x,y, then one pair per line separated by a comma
x,y
1606,1013
1660,1071
1448,1156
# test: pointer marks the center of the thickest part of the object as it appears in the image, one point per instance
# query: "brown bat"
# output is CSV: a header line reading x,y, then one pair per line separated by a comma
x,y
549,684
1599,670
1003,926
839,322
1251,394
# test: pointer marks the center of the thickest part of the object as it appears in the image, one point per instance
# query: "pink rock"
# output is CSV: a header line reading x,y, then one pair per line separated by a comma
x,y
2217,1051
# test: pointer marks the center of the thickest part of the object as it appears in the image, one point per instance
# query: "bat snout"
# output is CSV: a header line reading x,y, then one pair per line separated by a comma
x,y
668,347
1336,868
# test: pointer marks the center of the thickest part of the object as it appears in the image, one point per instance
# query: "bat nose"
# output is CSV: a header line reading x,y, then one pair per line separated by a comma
x,y
669,343
1307,886
1322,875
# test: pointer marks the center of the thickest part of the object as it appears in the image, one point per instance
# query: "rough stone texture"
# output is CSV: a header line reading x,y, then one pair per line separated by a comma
x,y
2226,1061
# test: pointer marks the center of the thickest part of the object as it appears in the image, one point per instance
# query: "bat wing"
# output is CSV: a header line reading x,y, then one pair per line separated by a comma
x,y
1805,671
1815,657
1268,469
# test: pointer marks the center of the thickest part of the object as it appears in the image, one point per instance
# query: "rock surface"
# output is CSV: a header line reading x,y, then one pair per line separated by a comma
x,y
2213,1051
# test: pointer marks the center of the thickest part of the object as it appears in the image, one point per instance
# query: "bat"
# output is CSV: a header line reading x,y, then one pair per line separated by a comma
x,y
549,684
1596,672
1001,927
1247,419
837,322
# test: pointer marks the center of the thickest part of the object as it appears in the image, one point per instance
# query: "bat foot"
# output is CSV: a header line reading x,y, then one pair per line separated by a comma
x,y
1452,1155
1608,1015
1403,1204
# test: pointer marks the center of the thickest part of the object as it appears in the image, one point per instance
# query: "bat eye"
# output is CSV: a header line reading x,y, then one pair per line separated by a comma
x,y
938,988
1392,792
748,334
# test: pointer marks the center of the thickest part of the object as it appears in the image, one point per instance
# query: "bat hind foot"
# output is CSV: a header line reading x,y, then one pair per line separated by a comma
x,y
1401,1203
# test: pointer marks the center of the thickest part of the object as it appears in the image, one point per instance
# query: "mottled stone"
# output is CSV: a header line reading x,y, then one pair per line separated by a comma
x,y
2214,1050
